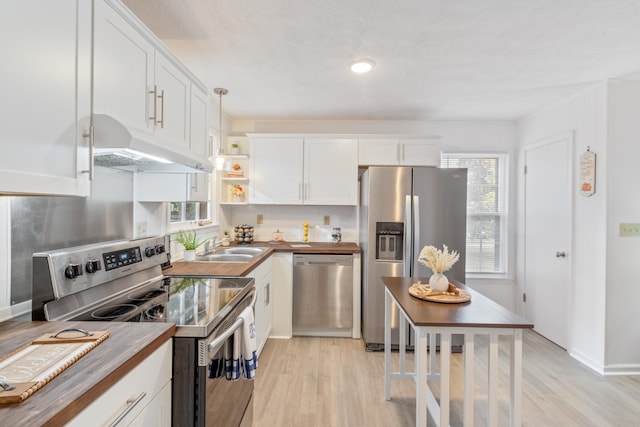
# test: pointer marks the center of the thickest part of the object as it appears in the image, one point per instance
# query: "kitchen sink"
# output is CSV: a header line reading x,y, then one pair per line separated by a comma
x,y
246,251
225,257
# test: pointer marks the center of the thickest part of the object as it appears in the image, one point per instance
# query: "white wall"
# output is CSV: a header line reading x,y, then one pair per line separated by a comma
x,y
604,267
622,343
456,136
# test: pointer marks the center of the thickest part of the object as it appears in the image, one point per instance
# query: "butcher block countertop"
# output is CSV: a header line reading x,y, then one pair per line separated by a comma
x,y
76,387
198,269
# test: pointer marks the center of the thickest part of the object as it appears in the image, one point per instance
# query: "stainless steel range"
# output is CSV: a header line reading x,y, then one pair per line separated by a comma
x,y
124,281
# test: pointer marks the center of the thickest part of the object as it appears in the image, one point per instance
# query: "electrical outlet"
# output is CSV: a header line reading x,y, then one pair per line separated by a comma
x,y
327,220
259,219
629,230
141,229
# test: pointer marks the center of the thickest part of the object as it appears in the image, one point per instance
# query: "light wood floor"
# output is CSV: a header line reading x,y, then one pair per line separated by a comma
x,y
334,382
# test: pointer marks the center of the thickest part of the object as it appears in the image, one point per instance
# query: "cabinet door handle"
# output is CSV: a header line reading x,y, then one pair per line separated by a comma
x,y
155,104
90,136
267,295
161,121
130,405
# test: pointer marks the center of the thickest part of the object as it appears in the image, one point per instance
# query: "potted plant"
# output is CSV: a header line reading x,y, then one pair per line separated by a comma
x,y
235,149
189,240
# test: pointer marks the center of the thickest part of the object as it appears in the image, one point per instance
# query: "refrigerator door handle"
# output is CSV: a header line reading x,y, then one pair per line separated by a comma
x,y
415,238
408,233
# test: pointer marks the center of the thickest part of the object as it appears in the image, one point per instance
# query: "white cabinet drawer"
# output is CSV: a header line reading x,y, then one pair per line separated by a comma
x,y
134,392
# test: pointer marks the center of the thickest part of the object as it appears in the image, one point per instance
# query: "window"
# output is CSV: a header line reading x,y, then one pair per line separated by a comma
x,y
486,210
188,211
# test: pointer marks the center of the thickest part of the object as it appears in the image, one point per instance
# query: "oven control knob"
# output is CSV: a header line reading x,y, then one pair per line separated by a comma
x,y
159,249
149,251
73,270
93,265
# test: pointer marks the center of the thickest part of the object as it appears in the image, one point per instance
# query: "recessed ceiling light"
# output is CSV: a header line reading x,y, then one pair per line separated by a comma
x,y
362,65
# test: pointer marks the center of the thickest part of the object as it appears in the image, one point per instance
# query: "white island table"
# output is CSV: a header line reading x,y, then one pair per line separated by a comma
x,y
480,316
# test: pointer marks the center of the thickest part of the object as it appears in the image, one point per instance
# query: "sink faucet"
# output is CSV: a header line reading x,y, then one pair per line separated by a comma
x,y
211,244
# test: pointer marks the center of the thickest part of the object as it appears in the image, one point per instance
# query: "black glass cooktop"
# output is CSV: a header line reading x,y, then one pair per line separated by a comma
x,y
198,304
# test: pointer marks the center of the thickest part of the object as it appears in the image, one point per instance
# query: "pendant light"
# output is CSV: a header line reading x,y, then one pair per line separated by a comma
x,y
220,91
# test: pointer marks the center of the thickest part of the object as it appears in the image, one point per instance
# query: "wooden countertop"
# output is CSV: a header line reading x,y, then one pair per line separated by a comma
x,y
199,269
84,381
477,313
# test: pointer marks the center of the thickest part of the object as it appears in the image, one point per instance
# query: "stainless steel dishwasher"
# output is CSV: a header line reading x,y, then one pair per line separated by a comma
x,y
322,294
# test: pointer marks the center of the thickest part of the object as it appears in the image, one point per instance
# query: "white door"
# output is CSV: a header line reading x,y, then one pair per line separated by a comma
x,y
548,236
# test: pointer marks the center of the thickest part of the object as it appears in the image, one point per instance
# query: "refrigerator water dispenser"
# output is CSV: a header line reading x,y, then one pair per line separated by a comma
x,y
389,238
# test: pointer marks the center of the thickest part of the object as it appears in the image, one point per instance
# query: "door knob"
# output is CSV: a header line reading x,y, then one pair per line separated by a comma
x,y
561,255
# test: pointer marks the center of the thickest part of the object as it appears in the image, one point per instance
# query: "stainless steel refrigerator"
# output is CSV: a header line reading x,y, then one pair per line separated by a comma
x,y
403,209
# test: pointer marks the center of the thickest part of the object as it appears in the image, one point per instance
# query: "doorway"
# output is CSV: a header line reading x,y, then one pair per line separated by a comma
x,y
548,233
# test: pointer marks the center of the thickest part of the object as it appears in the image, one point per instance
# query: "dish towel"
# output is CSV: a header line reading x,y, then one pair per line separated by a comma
x,y
249,345
221,362
234,365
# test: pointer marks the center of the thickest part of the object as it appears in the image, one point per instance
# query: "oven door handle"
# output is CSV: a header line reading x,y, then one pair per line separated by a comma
x,y
220,339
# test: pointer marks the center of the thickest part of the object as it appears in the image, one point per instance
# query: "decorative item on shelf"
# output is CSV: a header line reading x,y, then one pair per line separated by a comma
x,y
235,171
438,261
237,193
189,240
305,231
235,149
244,233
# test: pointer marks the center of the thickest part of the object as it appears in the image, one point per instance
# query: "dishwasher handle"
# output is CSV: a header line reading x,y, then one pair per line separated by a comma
x,y
302,260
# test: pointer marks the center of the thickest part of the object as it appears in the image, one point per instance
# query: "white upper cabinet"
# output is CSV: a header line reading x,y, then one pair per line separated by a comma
x,y
171,187
172,100
45,82
399,151
199,141
140,84
331,171
316,171
123,70
276,171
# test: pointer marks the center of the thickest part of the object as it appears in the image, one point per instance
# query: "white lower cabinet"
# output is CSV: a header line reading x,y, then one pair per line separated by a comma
x,y
264,306
140,398
282,295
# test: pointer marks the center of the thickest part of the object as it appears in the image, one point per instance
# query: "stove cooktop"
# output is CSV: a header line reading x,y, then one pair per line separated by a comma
x,y
198,304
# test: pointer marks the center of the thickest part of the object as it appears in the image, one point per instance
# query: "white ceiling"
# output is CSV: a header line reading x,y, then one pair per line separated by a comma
x,y
436,59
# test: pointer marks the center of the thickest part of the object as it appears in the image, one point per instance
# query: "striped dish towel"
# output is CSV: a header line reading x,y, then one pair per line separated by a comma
x,y
249,345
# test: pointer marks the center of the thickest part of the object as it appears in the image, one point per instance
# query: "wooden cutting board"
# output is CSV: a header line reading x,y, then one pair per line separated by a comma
x,y
29,368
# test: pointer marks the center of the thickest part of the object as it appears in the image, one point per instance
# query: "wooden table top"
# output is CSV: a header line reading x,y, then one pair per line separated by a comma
x,y
89,377
477,313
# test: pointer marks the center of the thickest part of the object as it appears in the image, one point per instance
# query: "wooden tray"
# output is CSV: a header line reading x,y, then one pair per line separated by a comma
x,y
453,295
29,368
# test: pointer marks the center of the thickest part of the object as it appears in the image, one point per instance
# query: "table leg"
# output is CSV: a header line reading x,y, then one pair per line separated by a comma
x,y
445,377
387,345
492,398
516,378
468,379
420,355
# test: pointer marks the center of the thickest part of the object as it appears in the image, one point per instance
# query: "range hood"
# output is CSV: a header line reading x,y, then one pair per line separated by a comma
x,y
119,147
